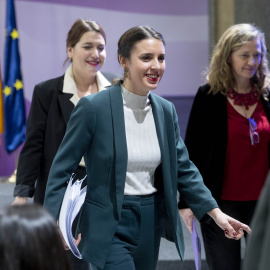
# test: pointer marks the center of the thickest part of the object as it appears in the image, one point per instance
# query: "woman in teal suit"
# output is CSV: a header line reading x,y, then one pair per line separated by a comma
x,y
136,162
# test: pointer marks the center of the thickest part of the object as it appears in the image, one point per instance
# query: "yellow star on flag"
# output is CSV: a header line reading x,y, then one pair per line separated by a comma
x,y
7,91
14,34
18,85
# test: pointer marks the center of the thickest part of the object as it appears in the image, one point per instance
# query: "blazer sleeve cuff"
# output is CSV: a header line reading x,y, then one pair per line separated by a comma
x,y
24,191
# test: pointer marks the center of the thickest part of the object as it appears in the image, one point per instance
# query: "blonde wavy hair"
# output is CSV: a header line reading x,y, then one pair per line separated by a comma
x,y
220,76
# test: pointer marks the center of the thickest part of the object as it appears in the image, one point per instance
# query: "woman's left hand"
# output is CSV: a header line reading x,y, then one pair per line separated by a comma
x,y
232,228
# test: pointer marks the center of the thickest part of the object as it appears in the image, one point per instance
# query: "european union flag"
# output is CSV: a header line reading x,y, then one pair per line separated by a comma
x,y
1,110
14,109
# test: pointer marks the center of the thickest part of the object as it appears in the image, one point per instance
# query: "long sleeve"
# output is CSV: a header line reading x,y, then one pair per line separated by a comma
x,y
198,136
190,183
74,145
31,154
206,138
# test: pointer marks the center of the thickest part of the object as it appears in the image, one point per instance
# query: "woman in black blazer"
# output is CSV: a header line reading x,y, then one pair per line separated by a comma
x,y
228,136
52,104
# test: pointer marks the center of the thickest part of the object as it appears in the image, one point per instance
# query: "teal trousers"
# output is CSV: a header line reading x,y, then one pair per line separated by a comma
x,y
135,245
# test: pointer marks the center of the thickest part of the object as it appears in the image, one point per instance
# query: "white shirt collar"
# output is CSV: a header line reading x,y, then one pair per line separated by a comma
x,y
69,86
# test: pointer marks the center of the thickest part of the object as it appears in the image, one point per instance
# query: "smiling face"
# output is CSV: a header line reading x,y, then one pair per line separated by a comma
x,y
245,60
88,55
146,66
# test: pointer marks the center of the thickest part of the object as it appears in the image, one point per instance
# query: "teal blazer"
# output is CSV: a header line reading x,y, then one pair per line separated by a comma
x,y
96,130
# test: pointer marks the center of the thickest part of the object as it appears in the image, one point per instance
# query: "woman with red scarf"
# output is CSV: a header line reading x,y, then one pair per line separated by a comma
x,y
228,136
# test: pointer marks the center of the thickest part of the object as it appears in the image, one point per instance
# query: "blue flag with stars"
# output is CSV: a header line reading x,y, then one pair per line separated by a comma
x,y
14,108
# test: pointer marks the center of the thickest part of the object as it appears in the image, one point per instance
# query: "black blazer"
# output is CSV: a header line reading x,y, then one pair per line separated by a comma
x,y
46,125
206,137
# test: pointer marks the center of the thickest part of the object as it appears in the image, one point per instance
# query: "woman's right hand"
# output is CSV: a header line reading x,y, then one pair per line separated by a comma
x,y
19,201
187,215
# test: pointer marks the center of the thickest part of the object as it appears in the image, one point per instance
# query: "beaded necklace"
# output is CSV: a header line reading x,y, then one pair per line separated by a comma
x,y
247,99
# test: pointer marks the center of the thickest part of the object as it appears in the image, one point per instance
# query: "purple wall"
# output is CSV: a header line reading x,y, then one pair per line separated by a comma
x,y
173,7
43,26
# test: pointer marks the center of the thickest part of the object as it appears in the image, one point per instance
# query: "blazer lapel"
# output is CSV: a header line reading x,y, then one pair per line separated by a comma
x,y
158,114
66,106
159,122
119,143
266,106
64,101
161,128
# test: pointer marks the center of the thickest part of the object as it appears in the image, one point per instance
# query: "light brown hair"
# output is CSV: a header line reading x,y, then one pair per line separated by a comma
x,y
80,27
220,76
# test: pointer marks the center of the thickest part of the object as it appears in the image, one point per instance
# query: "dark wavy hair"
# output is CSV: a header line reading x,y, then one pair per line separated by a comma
x,y
130,38
29,240
133,35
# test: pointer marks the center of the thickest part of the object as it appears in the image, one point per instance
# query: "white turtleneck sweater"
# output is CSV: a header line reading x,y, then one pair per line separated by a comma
x,y
142,144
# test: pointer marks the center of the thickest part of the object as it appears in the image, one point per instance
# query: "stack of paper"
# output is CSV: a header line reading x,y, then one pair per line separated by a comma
x,y
196,243
72,203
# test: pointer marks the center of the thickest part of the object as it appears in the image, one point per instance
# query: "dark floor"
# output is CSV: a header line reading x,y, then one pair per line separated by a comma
x,y
168,258
176,265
